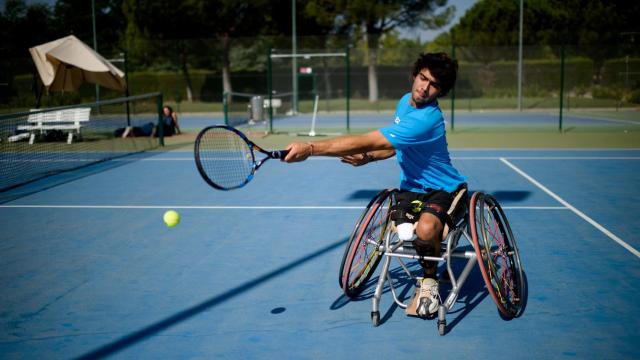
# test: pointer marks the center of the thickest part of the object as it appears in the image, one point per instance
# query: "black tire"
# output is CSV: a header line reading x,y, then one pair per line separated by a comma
x,y
361,257
498,255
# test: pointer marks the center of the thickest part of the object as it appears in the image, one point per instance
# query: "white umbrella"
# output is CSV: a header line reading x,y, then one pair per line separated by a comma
x,y
66,63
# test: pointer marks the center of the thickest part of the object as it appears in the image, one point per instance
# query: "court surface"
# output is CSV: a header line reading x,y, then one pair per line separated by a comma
x,y
461,119
88,268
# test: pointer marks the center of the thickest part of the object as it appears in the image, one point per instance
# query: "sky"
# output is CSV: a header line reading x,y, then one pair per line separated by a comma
x,y
425,35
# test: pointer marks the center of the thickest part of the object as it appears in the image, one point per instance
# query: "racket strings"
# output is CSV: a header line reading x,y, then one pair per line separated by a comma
x,y
226,158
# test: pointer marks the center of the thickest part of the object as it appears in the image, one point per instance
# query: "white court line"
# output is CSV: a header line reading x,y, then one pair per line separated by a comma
x,y
453,158
599,118
569,157
222,207
572,208
545,157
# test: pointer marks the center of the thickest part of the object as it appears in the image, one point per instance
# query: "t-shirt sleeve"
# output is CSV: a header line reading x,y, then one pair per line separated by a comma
x,y
406,133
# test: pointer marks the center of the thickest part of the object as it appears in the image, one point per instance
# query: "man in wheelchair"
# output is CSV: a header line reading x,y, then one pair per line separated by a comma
x,y
417,138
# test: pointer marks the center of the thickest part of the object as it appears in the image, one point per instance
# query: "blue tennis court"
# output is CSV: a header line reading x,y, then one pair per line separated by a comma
x,y
336,121
88,269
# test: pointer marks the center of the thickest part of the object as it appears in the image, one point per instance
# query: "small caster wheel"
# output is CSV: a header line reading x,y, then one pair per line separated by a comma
x,y
375,318
442,327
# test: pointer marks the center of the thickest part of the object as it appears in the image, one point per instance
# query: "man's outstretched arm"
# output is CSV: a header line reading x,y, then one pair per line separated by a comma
x,y
342,146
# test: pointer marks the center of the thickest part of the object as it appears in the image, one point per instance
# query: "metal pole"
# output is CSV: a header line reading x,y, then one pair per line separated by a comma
x,y
294,61
453,91
95,40
520,58
270,90
160,122
348,87
127,92
225,108
561,85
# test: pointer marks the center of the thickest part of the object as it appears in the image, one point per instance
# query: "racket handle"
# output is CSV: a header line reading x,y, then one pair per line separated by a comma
x,y
279,154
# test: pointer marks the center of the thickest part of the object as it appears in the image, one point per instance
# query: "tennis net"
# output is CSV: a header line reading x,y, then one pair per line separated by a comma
x,y
243,108
44,142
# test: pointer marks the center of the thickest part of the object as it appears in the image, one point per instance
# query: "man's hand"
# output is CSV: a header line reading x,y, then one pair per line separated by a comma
x,y
357,159
298,151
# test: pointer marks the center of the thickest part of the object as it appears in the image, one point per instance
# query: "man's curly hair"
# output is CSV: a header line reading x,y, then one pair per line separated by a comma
x,y
442,67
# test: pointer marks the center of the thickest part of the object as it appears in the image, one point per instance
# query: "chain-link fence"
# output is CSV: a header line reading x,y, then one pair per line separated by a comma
x,y
196,73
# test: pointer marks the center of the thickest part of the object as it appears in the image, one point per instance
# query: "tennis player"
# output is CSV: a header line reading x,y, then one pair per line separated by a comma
x,y
417,139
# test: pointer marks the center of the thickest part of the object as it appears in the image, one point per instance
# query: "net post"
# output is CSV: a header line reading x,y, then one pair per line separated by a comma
x,y
225,107
561,85
348,85
160,124
127,92
270,88
453,91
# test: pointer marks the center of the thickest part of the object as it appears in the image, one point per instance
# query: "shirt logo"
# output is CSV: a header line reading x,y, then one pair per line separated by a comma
x,y
397,120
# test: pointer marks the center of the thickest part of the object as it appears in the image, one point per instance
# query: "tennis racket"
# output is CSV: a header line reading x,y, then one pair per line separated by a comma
x,y
226,159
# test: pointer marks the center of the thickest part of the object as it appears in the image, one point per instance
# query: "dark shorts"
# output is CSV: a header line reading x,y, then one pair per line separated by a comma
x,y
436,202
168,130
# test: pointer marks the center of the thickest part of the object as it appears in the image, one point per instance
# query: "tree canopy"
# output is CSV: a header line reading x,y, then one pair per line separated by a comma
x,y
548,22
373,19
210,34
591,28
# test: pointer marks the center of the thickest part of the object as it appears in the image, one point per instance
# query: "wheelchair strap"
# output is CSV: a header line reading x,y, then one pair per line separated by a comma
x,y
456,200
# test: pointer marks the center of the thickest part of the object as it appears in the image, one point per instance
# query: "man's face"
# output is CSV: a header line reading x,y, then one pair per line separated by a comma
x,y
425,88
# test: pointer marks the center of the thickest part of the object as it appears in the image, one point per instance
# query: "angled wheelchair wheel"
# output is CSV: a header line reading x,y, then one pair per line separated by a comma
x,y
361,257
498,256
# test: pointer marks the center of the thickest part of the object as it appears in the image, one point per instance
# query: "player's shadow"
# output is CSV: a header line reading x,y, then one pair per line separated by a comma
x,y
472,293
501,196
511,196
157,327
363,194
403,286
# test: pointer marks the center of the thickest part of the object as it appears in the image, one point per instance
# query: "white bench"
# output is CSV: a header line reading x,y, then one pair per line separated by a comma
x,y
69,120
275,104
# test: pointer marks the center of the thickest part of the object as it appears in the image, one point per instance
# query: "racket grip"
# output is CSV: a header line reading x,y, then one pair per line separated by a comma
x,y
279,154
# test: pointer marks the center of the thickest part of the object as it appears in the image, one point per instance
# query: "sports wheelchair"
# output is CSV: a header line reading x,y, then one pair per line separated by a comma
x,y
480,221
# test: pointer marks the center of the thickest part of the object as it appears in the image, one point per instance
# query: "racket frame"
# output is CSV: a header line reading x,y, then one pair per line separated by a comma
x,y
276,154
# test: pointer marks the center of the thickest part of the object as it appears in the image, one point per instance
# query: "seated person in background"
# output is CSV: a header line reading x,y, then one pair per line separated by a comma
x,y
169,121
148,129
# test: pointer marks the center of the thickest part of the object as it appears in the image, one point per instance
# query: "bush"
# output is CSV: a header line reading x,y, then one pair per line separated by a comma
x,y
604,92
634,97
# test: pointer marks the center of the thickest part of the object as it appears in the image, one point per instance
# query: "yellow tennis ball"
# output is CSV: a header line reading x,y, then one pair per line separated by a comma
x,y
171,218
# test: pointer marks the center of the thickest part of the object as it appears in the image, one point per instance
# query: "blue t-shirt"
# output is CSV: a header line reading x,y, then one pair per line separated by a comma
x,y
418,136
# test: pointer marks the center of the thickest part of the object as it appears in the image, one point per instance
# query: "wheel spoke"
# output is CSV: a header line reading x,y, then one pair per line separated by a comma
x,y
361,256
499,258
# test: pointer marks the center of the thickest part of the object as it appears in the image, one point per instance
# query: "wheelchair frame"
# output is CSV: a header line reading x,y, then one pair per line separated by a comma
x,y
389,247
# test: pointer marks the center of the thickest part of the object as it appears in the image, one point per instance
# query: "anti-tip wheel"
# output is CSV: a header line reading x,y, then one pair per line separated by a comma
x,y
375,318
